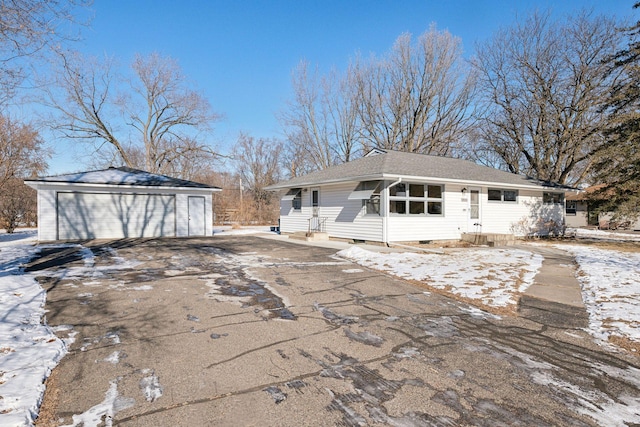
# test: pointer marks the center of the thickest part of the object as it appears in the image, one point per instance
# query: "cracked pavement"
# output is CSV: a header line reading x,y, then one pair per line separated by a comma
x,y
247,331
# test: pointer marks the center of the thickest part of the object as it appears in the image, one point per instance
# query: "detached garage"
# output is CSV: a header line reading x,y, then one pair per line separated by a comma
x,y
118,203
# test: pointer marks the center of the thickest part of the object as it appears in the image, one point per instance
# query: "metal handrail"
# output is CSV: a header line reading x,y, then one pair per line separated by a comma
x,y
317,224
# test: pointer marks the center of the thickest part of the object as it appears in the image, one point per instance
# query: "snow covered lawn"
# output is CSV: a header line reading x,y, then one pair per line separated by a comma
x,y
610,283
493,277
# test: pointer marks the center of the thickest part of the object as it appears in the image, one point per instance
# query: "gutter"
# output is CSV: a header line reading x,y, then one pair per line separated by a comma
x,y
385,211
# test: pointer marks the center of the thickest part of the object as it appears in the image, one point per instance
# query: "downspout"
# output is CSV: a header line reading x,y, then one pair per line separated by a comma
x,y
385,217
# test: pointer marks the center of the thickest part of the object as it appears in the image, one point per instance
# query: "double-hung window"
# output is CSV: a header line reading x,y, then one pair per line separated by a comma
x,y
552,198
369,193
295,197
499,195
416,199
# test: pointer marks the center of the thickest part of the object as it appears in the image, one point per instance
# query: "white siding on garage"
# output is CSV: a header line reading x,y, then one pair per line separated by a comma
x,y
115,215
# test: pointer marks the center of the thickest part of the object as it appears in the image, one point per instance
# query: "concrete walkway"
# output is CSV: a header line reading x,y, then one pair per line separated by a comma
x,y
555,298
556,281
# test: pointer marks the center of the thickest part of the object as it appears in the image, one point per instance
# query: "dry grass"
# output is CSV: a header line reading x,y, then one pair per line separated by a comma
x,y
595,243
47,414
627,344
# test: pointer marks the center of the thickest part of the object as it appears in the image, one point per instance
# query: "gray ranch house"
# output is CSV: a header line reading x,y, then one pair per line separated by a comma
x,y
390,196
120,203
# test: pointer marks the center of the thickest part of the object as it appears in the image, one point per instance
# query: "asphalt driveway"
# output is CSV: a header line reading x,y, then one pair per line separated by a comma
x,y
230,331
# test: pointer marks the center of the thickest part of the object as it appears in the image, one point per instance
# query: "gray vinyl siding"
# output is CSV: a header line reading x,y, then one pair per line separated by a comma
x,y
344,218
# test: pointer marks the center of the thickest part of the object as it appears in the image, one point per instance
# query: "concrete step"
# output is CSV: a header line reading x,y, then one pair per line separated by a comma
x,y
314,236
489,239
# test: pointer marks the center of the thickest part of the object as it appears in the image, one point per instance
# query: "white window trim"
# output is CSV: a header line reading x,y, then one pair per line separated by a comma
x,y
425,200
502,200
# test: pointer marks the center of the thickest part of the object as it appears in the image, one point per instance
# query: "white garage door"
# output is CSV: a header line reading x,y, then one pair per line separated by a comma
x,y
115,216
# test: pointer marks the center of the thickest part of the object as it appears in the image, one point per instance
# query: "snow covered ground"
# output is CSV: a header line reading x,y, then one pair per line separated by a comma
x,y
610,283
29,350
492,277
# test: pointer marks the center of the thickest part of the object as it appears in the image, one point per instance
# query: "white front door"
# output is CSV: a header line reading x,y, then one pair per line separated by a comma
x,y
475,224
315,202
196,216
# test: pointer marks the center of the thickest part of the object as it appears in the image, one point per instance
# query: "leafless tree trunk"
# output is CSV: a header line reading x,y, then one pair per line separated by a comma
x,y
155,122
306,120
418,98
87,104
541,84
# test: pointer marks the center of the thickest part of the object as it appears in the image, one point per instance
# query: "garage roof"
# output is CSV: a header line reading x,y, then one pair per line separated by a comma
x,y
123,176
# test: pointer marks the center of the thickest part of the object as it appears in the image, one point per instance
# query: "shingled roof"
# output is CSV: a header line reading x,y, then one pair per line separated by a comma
x,y
388,164
122,176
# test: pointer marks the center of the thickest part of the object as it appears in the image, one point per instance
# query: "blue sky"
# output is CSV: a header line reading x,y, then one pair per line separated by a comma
x,y
240,54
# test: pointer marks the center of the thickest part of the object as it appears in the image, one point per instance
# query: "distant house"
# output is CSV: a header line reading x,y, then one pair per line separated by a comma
x,y
119,203
581,211
389,196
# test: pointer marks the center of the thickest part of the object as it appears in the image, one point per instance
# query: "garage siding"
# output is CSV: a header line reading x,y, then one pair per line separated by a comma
x,y
83,215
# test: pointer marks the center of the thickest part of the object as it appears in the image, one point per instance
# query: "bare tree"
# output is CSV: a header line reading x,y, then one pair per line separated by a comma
x,y
22,155
541,84
152,121
169,112
257,162
22,152
18,205
418,97
29,29
306,120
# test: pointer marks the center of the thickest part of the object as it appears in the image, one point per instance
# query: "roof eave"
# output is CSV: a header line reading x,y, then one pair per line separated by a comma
x,y
395,177
44,183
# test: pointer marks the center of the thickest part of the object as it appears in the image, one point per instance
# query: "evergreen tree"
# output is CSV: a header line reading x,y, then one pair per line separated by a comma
x,y
618,168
